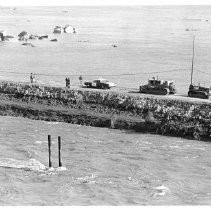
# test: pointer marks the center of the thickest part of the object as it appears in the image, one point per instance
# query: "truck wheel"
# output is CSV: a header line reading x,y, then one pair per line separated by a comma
x,y
140,89
165,91
206,96
190,94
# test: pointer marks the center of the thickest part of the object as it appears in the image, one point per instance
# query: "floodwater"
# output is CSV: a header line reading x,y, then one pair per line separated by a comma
x,y
100,166
148,39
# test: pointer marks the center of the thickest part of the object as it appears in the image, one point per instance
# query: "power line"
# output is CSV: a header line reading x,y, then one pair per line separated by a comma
x,y
107,75
114,75
203,72
13,72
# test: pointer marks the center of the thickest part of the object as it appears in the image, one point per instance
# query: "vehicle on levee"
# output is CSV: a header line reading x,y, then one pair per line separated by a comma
x,y
158,87
199,92
99,84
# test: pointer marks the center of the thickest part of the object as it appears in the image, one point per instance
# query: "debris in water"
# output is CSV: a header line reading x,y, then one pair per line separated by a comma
x,y
28,44
53,40
33,36
191,29
43,37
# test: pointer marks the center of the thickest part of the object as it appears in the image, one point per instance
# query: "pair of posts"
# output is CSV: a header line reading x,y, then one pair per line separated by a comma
x,y
49,151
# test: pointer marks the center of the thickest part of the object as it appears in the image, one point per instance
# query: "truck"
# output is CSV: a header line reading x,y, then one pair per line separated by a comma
x,y
197,91
99,84
158,87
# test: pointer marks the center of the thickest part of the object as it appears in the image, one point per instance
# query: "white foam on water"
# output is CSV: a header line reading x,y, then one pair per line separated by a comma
x,y
130,178
63,168
38,142
174,146
194,157
87,179
161,190
146,142
53,171
52,123
31,164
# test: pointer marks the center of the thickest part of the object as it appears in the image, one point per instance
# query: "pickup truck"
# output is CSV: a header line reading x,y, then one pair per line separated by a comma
x,y
99,84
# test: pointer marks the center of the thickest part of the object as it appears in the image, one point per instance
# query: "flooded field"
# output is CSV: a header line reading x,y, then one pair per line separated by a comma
x,y
103,166
148,39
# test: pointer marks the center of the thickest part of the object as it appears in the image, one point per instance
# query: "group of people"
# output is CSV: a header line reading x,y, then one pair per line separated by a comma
x,y
67,80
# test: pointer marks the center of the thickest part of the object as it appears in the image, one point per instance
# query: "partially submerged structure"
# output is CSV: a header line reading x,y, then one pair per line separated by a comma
x,y
2,35
28,44
53,40
69,29
23,36
57,30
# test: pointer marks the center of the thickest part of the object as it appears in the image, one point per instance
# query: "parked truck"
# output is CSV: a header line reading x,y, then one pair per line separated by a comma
x,y
158,87
99,84
198,91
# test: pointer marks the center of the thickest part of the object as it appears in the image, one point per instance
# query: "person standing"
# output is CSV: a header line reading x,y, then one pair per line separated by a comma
x,y
31,78
81,80
67,82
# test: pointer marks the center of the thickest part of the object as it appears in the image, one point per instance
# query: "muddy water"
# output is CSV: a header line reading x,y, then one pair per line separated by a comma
x,y
148,39
101,166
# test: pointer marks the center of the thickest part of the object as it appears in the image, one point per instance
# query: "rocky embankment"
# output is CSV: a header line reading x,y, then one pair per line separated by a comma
x,y
107,109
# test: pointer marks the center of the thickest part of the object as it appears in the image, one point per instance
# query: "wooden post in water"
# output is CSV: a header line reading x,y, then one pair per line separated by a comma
x,y
49,151
59,149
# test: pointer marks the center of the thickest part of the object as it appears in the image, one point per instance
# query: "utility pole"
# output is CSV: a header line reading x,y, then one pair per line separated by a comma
x,y
192,61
